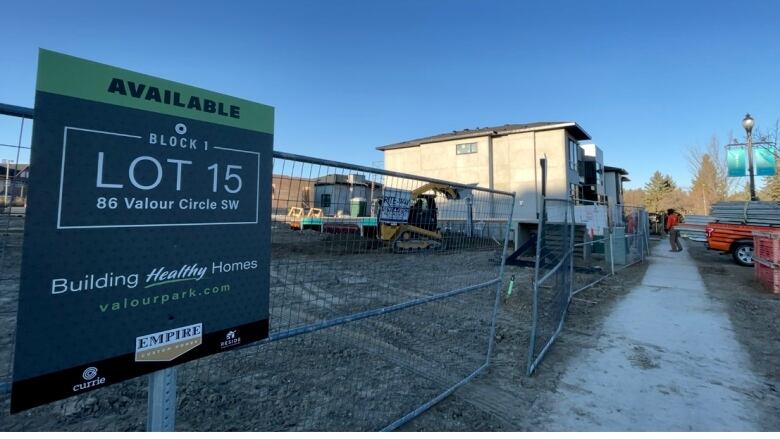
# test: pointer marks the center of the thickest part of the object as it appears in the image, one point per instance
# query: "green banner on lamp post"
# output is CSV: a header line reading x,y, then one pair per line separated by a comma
x,y
737,161
764,160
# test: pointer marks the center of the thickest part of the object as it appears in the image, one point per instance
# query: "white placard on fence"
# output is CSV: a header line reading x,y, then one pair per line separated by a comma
x,y
594,217
395,206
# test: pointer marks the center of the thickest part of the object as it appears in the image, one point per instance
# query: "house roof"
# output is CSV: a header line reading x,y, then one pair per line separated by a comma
x,y
575,130
620,171
13,168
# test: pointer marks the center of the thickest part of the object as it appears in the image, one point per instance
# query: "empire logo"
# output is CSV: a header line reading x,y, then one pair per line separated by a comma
x,y
168,345
231,339
90,380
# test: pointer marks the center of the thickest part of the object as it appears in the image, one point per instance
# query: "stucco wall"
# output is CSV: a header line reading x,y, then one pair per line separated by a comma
x,y
515,165
439,160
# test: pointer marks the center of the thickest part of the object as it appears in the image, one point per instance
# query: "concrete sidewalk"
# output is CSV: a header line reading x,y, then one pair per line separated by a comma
x,y
667,359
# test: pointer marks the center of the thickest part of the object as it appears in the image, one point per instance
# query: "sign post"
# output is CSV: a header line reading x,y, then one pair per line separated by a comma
x,y
147,235
161,412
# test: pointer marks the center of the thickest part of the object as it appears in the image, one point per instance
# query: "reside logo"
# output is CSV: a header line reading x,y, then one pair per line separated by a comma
x,y
231,339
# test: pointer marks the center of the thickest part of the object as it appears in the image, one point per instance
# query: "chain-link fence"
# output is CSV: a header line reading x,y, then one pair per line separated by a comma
x,y
580,243
383,299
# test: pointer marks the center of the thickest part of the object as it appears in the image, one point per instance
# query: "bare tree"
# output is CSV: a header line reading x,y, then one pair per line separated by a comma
x,y
709,186
634,197
771,189
713,158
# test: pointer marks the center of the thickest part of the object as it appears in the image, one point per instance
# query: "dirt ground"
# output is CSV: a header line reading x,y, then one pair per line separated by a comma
x,y
359,375
505,398
364,374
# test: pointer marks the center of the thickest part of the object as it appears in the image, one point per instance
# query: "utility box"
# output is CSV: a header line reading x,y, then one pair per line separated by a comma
x,y
357,207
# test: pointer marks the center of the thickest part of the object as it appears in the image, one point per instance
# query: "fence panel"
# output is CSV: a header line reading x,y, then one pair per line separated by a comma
x,y
580,244
370,323
630,242
553,277
15,134
592,256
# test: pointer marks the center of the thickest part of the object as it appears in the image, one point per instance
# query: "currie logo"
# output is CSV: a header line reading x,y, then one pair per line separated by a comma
x,y
90,380
231,339
170,344
89,373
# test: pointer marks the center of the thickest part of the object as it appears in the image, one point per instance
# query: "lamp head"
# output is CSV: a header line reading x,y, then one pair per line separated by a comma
x,y
748,122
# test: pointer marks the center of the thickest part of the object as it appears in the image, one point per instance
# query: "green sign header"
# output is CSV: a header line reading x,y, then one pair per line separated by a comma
x,y
75,77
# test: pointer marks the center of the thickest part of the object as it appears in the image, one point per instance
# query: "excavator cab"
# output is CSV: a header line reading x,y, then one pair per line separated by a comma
x,y
423,213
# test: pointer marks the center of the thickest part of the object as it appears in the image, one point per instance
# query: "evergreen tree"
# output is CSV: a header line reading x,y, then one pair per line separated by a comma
x,y
771,190
657,189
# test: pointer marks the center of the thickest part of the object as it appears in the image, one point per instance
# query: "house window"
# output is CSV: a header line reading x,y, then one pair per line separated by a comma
x,y
573,156
576,192
325,200
599,174
466,148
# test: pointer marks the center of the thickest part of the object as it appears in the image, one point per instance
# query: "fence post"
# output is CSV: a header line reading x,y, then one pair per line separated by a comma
x,y
494,318
647,233
572,230
161,411
611,253
535,307
469,217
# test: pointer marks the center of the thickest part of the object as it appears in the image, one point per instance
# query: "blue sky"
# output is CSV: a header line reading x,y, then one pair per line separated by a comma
x,y
645,79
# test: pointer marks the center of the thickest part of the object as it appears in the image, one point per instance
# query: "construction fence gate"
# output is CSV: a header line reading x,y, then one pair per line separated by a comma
x,y
579,243
367,329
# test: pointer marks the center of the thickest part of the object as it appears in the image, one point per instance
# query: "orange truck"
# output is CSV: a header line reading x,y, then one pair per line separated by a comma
x,y
735,239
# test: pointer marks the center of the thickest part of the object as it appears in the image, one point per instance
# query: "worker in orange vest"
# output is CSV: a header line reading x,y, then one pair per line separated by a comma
x,y
672,219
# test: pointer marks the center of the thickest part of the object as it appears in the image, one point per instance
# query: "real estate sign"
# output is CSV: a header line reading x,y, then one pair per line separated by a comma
x,y
147,233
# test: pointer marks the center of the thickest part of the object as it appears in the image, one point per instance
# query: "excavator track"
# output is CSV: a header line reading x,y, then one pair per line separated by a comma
x,y
408,242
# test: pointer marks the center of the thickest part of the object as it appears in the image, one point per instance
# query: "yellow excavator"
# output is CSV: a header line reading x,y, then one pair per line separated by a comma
x,y
421,231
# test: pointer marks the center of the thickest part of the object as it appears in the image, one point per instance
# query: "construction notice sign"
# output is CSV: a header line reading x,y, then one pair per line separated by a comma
x,y
396,204
146,242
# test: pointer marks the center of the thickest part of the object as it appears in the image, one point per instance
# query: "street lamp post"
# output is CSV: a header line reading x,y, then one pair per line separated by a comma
x,y
747,123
